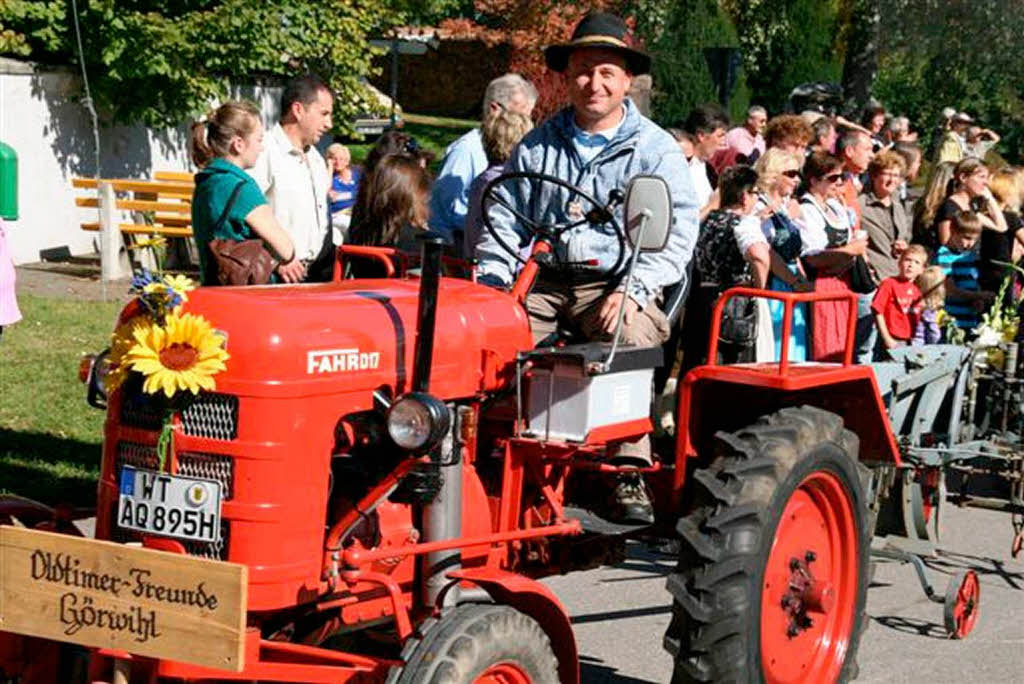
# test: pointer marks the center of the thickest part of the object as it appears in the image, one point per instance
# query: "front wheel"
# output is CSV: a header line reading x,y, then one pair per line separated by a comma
x,y
773,569
480,644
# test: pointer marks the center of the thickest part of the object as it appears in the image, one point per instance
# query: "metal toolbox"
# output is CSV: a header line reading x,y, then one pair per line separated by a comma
x,y
568,393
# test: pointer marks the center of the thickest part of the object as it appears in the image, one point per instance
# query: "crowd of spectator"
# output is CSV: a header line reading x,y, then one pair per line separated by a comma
x,y
795,202
840,209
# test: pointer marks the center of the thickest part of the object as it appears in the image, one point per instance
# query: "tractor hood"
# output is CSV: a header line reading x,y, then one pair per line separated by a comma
x,y
318,339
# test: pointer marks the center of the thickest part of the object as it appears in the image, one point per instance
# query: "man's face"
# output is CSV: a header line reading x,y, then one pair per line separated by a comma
x,y
860,155
709,143
597,81
756,122
314,119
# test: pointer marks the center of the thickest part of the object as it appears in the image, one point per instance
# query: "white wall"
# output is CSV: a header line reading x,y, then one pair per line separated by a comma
x,y
42,118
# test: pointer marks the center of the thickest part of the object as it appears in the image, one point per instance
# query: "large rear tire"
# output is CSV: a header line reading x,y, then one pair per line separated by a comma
x,y
774,560
480,644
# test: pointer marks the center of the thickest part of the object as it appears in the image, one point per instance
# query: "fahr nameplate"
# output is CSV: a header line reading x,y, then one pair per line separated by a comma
x,y
106,595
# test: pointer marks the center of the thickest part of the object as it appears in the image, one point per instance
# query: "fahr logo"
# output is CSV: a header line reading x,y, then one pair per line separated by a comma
x,y
340,360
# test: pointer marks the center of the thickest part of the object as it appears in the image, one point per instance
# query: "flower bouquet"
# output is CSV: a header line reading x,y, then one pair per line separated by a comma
x,y
999,325
177,354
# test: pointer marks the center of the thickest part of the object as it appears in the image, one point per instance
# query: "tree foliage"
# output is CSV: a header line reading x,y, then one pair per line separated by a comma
x,y
785,43
953,53
676,34
160,62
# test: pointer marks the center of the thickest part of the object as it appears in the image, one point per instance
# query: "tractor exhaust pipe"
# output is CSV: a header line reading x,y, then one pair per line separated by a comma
x,y
430,279
442,517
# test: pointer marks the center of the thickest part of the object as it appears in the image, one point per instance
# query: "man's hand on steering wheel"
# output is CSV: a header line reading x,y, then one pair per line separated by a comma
x,y
551,232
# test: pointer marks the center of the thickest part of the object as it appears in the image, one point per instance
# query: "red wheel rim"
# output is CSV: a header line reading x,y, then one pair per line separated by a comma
x,y
965,609
818,523
503,673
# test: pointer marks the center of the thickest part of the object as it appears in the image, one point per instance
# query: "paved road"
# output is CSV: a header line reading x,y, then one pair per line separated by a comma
x,y
619,615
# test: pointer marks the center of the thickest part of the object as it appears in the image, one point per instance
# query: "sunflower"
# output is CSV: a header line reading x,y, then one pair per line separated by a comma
x,y
121,341
179,285
183,354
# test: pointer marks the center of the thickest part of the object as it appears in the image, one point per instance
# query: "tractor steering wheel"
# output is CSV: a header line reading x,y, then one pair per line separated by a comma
x,y
551,232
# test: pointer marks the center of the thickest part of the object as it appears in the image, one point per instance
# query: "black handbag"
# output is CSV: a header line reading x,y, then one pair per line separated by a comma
x,y
862,280
739,322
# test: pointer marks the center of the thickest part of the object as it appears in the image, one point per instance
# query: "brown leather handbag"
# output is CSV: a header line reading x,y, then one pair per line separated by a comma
x,y
240,262
244,262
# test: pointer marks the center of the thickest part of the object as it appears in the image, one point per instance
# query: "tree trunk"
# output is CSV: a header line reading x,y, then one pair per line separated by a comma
x,y
861,65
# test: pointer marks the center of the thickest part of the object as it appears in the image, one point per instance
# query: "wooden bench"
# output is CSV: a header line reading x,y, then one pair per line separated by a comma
x,y
164,202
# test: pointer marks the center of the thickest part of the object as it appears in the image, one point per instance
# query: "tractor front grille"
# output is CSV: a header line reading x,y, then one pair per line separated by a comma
x,y
209,467
210,415
215,467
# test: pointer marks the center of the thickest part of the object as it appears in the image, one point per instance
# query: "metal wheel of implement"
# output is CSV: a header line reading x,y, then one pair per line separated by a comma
x,y
773,568
913,508
479,644
962,603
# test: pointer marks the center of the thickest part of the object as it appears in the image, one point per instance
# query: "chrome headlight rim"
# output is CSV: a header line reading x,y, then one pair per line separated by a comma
x,y
417,422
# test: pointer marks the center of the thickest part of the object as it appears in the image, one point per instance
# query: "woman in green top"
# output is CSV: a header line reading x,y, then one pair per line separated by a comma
x,y
227,203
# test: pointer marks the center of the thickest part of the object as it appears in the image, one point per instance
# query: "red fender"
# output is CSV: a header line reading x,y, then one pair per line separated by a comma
x,y
537,601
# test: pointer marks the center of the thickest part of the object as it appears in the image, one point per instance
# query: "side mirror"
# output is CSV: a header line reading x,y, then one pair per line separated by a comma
x,y
648,213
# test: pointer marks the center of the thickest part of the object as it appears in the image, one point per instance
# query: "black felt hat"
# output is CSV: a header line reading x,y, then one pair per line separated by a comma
x,y
603,30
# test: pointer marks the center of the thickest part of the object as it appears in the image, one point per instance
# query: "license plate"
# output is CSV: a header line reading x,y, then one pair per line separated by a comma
x,y
169,505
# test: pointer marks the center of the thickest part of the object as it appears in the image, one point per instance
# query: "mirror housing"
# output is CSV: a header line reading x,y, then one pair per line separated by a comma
x,y
648,205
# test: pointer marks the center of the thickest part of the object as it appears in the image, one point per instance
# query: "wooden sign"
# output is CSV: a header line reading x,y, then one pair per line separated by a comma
x,y
107,595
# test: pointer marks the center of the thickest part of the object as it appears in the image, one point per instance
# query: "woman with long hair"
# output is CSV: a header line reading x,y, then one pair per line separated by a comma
x,y
395,206
1006,247
927,205
969,191
829,250
227,203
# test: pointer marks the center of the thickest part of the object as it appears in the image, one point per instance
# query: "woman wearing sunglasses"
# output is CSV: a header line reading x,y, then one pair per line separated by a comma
x,y
778,174
828,252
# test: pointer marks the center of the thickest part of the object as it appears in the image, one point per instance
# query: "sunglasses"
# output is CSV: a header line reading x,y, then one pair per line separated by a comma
x,y
791,173
834,177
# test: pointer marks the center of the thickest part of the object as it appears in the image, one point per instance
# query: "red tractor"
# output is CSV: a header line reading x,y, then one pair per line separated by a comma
x,y
397,467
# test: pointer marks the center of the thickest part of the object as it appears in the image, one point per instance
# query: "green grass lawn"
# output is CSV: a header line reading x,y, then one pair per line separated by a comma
x,y
49,437
433,133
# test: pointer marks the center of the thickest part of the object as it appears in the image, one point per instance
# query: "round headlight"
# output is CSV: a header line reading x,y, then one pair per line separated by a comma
x,y
417,421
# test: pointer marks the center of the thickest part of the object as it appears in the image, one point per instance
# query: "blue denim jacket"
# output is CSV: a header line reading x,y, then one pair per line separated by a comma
x,y
639,147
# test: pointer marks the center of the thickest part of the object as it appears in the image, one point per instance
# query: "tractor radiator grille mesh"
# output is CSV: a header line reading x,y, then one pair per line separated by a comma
x,y
210,415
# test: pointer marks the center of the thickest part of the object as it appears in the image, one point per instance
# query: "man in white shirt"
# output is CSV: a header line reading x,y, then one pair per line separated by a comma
x,y
291,172
705,129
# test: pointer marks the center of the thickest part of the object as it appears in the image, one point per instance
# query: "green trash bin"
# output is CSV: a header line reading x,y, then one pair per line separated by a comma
x,y
8,182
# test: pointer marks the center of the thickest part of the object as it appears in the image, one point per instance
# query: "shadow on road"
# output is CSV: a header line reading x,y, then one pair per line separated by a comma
x,y
912,626
950,561
593,672
620,614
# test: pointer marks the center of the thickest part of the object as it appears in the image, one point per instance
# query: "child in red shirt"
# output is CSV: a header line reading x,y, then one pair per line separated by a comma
x,y
897,302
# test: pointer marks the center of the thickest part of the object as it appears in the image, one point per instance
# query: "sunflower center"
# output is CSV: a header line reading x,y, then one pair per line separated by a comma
x,y
178,357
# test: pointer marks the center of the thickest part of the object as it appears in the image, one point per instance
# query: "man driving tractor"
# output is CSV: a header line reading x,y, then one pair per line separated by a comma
x,y
597,144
